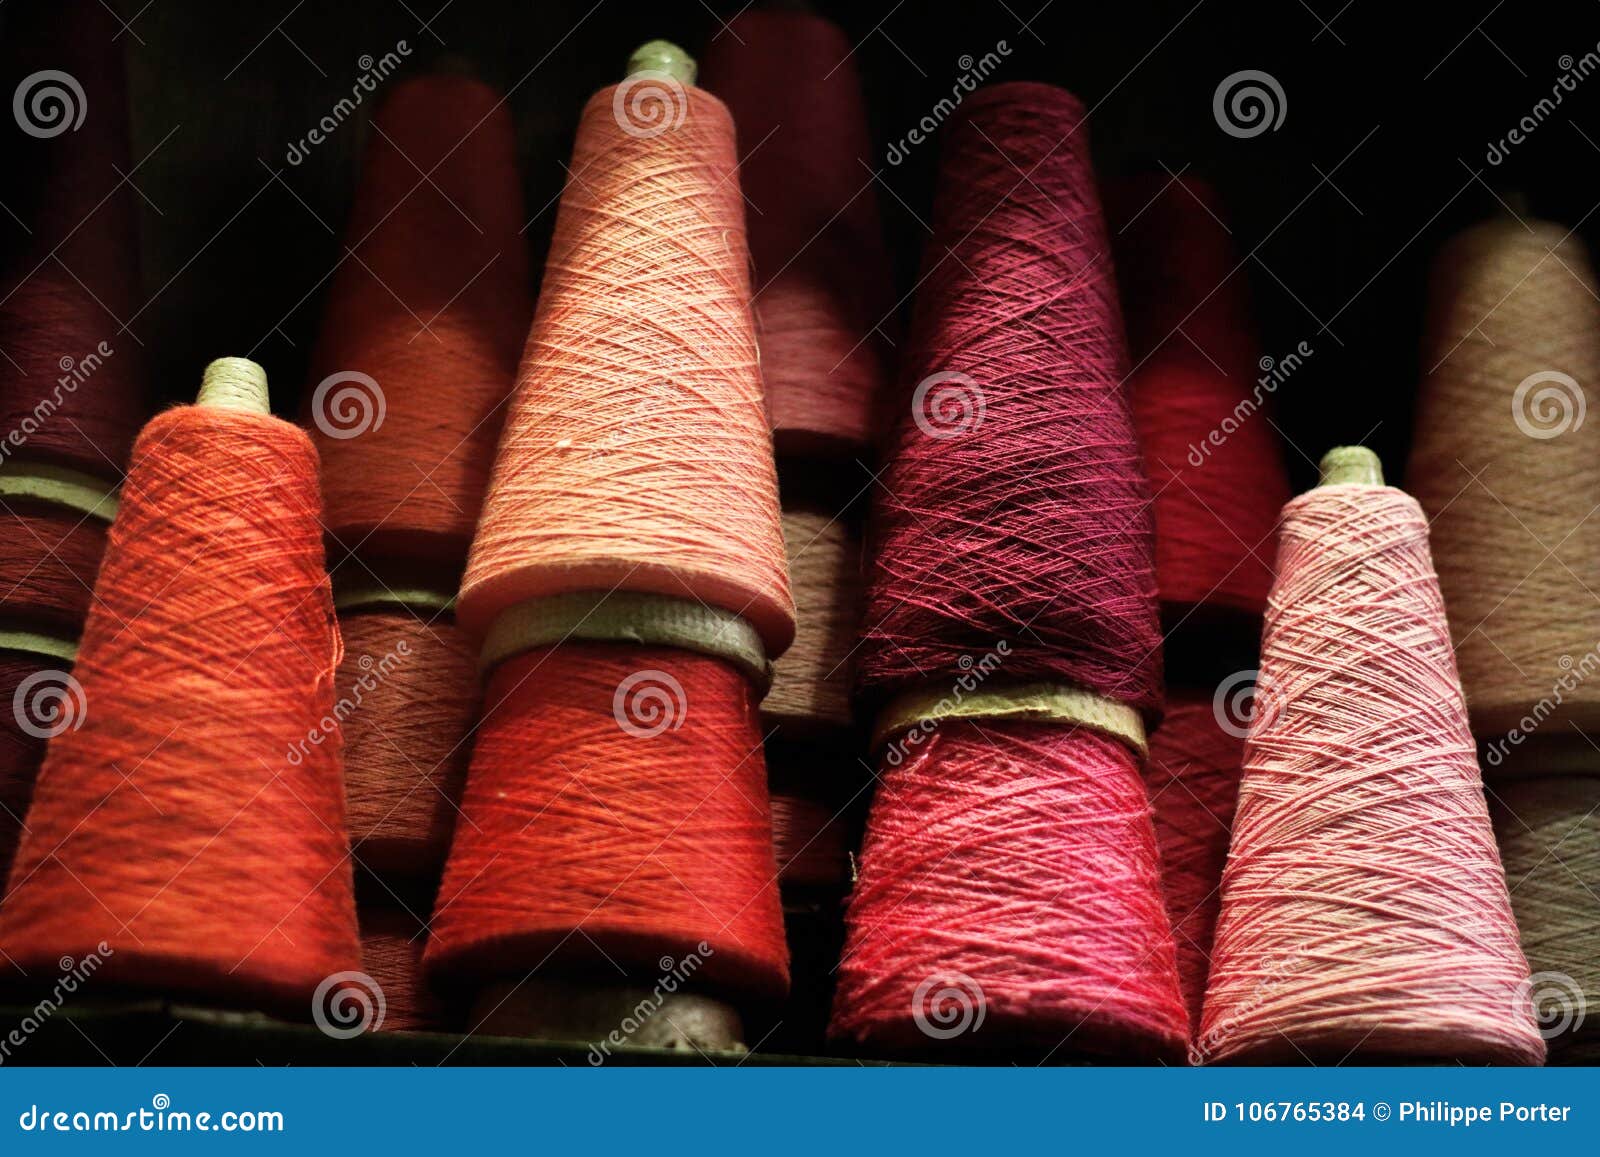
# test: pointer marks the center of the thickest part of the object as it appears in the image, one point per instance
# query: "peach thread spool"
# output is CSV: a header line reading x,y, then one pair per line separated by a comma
x,y
1508,470
188,822
1364,912
629,583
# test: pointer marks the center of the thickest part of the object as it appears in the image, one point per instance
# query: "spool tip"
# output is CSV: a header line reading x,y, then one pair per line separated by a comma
x,y
663,56
235,384
1351,465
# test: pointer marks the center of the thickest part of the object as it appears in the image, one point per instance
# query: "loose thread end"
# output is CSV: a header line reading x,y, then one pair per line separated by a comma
x,y
235,384
663,56
1355,465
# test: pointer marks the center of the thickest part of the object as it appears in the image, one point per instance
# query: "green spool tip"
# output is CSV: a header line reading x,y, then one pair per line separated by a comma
x,y
235,384
663,56
1351,465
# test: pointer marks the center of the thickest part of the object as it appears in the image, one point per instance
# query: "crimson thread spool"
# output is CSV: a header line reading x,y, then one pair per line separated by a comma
x,y
72,385
34,678
424,323
615,846
407,698
189,812
49,556
823,289
1009,889
1196,391
1364,912
1509,472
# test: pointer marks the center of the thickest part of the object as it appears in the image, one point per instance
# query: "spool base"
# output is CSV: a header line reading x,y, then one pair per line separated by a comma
x,y
608,1016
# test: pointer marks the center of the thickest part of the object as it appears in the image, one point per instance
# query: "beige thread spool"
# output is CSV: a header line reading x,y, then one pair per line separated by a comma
x,y
1549,833
810,695
1506,463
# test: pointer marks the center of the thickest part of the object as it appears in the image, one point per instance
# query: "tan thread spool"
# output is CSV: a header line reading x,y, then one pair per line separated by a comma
x,y
810,695
1549,833
1507,468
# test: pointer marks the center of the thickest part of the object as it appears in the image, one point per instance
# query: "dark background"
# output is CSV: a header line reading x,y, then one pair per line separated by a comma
x,y
1390,112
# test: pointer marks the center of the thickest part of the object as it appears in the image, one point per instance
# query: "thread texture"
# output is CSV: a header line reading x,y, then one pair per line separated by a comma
x,y
616,810
183,814
810,692
48,562
636,453
1013,505
1364,912
811,843
1011,867
823,288
432,305
1508,470
21,748
391,953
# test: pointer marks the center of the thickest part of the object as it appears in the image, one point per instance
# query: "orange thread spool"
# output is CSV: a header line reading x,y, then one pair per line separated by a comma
x,y
411,686
431,306
636,454
190,811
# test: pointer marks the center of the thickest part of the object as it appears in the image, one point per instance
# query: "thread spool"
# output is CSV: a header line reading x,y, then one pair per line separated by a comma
x,y
32,671
1508,471
72,388
1214,461
407,698
789,79
1549,835
810,841
206,664
424,322
638,386
636,455
1364,913
48,561
1192,776
1015,506
810,695
391,954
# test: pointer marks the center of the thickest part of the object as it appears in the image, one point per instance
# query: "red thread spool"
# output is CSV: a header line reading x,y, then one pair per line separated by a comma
x,y
190,810
823,287
23,737
432,307
48,561
1009,895
615,813
391,954
1193,779
412,690
71,382
1219,478
1015,504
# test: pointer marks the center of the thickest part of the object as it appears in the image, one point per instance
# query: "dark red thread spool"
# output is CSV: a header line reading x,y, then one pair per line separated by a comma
x,y
49,556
